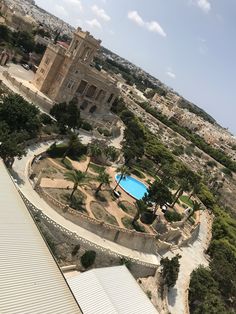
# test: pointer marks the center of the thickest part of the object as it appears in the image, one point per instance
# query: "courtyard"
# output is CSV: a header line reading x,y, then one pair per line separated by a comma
x,y
118,209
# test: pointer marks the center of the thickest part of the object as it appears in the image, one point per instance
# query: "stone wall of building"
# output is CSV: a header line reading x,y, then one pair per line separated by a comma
x,y
29,94
65,74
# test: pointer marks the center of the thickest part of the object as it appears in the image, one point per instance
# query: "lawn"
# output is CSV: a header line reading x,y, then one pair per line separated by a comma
x,y
185,199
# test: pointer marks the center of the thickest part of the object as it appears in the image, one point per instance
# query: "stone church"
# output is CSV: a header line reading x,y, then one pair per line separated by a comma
x,y
65,73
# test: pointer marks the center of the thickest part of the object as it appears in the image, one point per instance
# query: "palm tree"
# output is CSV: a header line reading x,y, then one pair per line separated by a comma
x,y
75,176
103,178
124,172
94,150
111,153
73,142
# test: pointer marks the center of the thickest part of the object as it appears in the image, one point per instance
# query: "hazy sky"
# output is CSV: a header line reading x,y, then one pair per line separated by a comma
x,y
188,44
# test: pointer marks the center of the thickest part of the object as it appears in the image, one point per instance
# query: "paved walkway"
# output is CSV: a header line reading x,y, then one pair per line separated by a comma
x,y
192,257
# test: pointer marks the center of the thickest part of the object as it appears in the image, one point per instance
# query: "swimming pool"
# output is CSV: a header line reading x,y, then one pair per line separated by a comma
x,y
132,186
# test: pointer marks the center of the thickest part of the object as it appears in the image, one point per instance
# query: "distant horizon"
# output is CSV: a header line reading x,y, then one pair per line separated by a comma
x,y
165,50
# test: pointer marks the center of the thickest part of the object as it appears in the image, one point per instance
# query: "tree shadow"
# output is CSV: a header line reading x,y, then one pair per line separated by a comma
x,y
172,296
16,177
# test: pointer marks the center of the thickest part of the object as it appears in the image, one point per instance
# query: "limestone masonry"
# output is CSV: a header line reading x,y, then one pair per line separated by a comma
x,y
65,73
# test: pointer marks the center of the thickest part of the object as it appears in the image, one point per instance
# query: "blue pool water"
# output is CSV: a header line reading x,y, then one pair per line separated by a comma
x,y
132,186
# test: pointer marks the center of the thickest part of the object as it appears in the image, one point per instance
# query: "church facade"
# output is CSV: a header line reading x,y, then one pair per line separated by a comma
x,y
65,73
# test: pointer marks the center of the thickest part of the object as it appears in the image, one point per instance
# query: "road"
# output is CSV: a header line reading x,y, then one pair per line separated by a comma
x,y
18,71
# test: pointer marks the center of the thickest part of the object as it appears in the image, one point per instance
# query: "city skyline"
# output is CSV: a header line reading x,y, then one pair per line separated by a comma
x,y
154,37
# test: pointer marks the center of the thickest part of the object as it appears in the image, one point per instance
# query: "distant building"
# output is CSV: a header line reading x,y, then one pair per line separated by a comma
x,y
65,73
16,19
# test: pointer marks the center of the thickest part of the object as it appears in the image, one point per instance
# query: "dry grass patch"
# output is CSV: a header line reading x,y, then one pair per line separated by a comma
x,y
100,213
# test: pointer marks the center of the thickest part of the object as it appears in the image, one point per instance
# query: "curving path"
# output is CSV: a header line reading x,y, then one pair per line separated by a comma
x,y
192,256
20,175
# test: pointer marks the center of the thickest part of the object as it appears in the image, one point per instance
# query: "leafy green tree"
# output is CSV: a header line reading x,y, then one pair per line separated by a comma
x,y
123,172
195,207
45,119
141,208
159,154
4,33
223,265
205,195
67,115
88,258
40,49
11,146
75,176
59,112
73,119
111,153
204,295
170,270
185,180
23,39
134,138
19,121
19,115
103,178
159,194
73,144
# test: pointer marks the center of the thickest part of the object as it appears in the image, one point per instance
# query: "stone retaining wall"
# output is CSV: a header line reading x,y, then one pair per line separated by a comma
x,y
142,242
137,268
32,96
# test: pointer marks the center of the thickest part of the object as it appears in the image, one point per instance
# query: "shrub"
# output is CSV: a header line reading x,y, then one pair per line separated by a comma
x,y
75,250
93,109
77,203
104,131
178,150
122,206
67,163
211,163
227,171
128,224
172,216
86,126
57,151
46,119
88,258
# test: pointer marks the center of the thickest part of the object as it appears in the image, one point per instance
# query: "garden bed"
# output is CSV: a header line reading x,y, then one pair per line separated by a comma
x,y
100,213
127,207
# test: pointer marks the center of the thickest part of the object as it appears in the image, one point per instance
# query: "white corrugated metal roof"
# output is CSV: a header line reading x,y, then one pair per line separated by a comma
x,y
30,280
110,290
